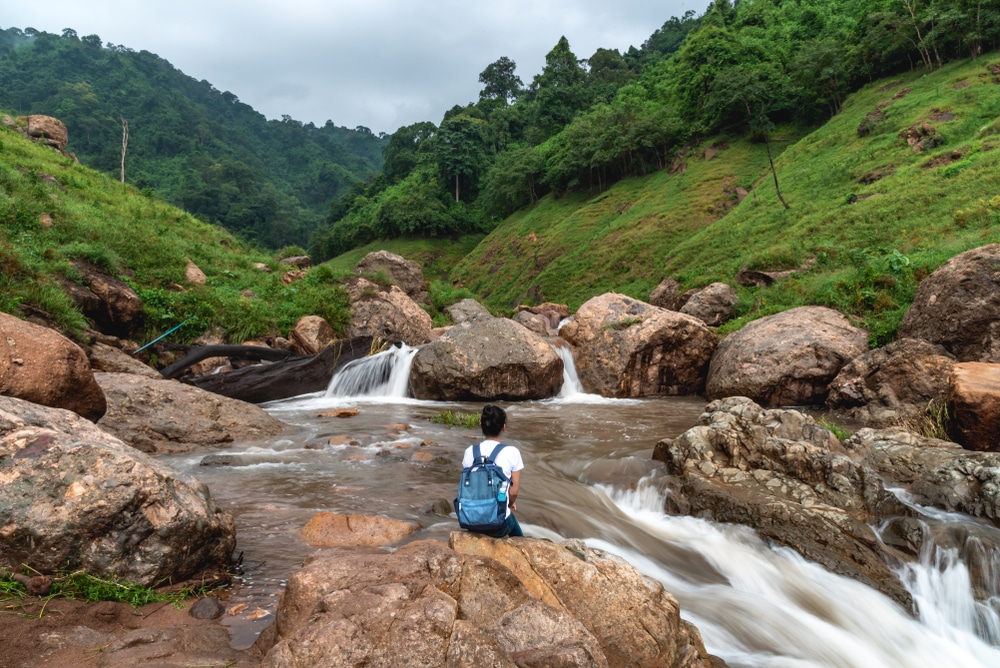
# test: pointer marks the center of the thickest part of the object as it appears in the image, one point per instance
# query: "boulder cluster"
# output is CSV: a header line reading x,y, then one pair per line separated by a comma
x,y
79,489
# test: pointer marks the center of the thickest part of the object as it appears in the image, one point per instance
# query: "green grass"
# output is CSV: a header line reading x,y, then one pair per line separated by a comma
x,y
83,216
456,419
870,240
82,586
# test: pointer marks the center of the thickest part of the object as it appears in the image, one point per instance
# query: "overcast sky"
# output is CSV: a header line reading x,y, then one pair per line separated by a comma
x,y
378,63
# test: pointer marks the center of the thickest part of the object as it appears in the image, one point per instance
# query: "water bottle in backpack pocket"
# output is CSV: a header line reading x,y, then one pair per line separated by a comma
x,y
481,504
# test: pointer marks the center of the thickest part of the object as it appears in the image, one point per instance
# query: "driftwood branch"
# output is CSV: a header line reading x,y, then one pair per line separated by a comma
x,y
286,378
200,353
36,585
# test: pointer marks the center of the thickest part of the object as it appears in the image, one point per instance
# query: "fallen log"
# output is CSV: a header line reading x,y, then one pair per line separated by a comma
x,y
200,353
285,378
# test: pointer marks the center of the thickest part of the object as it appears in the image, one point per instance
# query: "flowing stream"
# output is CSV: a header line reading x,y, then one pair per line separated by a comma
x,y
589,475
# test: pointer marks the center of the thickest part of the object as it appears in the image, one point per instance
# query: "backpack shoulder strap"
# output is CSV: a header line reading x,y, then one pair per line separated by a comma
x,y
496,451
477,455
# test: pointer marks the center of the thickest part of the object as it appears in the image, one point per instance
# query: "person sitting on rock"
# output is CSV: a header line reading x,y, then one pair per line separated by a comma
x,y
494,422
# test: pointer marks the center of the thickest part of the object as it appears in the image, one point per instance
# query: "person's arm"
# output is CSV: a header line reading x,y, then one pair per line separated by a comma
x,y
515,485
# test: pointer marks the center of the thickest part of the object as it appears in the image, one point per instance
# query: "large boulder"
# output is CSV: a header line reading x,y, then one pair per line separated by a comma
x,y
974,406
780,473
487,602
486,359
627,348
404,273
164,416
386,313
713,304
74,497
40,365
958,306
896,382
46,130
787,359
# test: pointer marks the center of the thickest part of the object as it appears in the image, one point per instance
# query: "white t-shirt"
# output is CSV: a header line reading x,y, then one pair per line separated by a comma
x,y
509,459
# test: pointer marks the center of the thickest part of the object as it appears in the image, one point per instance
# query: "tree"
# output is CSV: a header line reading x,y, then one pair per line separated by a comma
x,y
560,90
757,89
500,82
124,144
459,147
403,152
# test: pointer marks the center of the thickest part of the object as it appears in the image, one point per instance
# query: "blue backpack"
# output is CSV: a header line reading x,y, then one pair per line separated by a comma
x,y
481,504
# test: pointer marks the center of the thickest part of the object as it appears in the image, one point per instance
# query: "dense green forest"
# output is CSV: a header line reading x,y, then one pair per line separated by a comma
x,y
196,147
583,124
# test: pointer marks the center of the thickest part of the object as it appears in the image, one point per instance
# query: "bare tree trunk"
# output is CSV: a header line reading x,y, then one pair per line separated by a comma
x,y
767,145
124,144
456,187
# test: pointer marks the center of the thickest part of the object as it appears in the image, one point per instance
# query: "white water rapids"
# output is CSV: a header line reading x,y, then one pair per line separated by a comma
x,y
589,475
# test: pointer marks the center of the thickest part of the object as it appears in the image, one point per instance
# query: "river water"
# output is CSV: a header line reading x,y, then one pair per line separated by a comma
x,y
588,474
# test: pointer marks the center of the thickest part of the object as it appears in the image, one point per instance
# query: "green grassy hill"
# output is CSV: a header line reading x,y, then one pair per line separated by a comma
x,y
54,211
872,213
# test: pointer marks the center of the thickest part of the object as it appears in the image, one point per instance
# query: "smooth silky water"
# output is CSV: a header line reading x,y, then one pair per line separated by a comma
x,y
589,474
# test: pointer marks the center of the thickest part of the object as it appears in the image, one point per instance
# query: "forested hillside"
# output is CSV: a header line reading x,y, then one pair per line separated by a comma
x,y
580,125
195,146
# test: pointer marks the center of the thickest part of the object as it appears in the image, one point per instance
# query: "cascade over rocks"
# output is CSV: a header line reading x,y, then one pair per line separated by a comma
x,y
40,365
934,472
713,304
787,359
484,602
627,348
404,273
780,473
543,319
958,306
73,496
165,416
386,313
486,359
895,382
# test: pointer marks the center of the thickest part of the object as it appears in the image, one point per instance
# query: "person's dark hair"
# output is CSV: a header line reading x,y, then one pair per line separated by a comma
x,y
492,420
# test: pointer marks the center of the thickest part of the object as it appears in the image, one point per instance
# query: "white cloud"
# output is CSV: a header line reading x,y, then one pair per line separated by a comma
x,y
378,63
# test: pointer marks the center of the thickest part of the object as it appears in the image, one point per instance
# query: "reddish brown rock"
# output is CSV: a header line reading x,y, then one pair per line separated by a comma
x,y
627,348
974,406
333,530
787,359
40,365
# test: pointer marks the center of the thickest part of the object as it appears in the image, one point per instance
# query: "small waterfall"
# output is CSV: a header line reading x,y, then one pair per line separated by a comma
x,y
955,582
767,607
571,386
385,374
